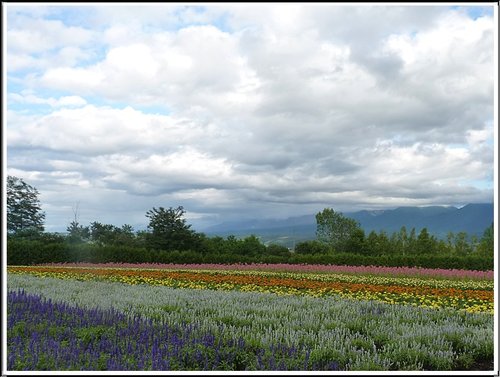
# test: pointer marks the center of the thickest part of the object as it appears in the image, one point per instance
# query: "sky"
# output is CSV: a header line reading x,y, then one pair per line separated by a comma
x,y
238,111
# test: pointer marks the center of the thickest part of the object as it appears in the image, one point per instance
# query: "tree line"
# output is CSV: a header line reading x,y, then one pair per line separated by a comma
x,y
337,233
170,239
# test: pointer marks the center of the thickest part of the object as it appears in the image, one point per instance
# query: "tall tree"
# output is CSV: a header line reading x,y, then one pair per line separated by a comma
x,y
425,242
335,229
487,243
77,233
168,229
102,234
23,207
462,245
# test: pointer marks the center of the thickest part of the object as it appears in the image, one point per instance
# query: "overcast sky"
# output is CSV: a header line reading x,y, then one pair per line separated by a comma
x,y
236,111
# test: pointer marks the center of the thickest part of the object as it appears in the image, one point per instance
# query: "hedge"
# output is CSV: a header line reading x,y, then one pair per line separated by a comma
x,y
29,252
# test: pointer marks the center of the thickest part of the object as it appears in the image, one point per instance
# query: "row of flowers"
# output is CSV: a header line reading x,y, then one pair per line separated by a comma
x,y
46,335
419,294
364,270
355,334
464,284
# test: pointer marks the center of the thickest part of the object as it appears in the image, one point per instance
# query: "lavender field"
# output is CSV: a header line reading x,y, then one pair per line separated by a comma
x,y
55,336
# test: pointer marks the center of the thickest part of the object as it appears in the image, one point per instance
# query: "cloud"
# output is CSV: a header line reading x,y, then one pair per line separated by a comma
x,y
38,35
66,101
258,110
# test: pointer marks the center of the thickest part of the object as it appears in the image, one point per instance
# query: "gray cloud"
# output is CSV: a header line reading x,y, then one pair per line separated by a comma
x,y
259,110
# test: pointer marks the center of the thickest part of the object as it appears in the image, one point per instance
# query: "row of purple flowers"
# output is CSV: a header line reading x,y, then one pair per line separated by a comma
x,y
46,335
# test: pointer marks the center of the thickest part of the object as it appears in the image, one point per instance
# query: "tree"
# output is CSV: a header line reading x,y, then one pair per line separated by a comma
x,y
356,242
77,233
102,234
311,247
168,230
279,250
486,245
425,243
23,207
378,244
412,241
462,245
125,235
335,229
402,240
250,246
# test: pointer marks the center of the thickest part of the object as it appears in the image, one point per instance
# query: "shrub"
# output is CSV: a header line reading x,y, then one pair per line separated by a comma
x,y
311,247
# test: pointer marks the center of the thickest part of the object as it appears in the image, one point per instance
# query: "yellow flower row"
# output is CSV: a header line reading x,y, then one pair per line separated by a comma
x,y
360,279
425,300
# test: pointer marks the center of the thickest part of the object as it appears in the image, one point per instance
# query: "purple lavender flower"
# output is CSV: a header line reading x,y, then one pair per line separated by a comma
x,y
46,335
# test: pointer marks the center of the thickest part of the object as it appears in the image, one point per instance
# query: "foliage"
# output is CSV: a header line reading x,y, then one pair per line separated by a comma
x,y
27,252
108,234
169,230
278,250
169,239
312,247
335,229
486,246
23,207
77,233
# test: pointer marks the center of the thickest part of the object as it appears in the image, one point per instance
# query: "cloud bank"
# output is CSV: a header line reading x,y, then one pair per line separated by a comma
x,y
248,110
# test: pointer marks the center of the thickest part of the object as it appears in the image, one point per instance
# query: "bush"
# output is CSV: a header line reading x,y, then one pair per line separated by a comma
x,y
28,252
311,247
278,250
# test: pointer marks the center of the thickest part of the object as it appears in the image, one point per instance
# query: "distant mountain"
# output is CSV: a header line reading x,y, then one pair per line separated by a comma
x,y
439,220
473,219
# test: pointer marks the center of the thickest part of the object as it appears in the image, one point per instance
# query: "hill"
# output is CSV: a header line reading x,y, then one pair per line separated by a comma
x,y
439,220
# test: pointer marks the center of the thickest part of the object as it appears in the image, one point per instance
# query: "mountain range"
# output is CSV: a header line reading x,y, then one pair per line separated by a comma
x,y
439,220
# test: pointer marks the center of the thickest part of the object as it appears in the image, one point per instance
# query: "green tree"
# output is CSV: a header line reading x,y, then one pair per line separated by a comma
x,y
279,250
450,237
356,242
486,245
168,230
412,241
378,244
335,229
402,240
107,234
383,243
77,233
124,235
250,246
102,234
24,212
425,243
371,243
311,247
461,244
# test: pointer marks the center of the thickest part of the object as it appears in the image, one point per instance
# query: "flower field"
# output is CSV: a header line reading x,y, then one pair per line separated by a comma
x,y
372,270
209,317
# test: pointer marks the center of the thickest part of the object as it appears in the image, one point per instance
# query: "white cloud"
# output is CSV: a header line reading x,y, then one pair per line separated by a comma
x,y
38,35
19,61
256,107
66,101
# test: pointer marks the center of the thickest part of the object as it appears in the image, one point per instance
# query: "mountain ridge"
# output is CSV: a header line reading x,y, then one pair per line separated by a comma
x,y
472,218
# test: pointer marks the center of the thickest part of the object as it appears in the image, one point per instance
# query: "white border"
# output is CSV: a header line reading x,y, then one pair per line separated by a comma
x,y
495,202
4,169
